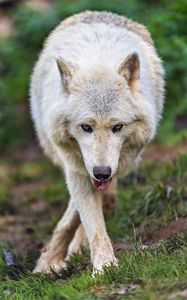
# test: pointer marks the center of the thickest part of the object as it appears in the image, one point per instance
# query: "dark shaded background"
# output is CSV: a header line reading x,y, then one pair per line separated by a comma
x,y
24,25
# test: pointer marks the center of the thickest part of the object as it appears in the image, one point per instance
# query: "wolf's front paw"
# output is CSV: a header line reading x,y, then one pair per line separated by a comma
x,y
101,260
48,266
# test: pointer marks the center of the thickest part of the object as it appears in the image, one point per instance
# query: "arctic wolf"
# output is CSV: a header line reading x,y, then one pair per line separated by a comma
x,y
96,100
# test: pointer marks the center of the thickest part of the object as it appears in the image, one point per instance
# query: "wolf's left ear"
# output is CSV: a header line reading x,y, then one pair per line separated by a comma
x,y
130,68
66,71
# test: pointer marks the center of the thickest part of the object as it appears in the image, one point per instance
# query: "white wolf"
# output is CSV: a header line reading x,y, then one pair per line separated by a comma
x,y
96,100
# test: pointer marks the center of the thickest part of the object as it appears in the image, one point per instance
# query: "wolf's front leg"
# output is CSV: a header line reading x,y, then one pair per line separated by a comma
x,y
54,253
108,202
89,206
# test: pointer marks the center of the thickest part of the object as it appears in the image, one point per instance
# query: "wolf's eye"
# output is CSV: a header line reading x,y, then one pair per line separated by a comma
x,y
86,128
117,128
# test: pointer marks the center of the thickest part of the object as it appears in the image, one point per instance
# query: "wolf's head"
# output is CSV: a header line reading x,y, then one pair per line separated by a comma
x,y
107,114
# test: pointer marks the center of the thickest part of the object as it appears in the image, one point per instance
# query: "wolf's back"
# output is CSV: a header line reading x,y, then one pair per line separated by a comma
x,y
91,17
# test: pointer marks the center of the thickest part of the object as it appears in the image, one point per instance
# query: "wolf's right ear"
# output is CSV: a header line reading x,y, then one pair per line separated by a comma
x,y
66,72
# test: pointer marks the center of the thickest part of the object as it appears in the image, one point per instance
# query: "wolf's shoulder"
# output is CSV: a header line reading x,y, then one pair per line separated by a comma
x,y
92,17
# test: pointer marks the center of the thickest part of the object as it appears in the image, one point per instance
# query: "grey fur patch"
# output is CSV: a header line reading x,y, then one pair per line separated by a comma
x,y
101,102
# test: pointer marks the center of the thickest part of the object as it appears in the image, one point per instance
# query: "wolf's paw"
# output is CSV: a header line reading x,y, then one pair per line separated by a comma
x,y
101,261
48,267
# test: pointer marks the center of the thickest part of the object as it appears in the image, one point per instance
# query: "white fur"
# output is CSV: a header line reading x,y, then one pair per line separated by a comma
x,y
98,95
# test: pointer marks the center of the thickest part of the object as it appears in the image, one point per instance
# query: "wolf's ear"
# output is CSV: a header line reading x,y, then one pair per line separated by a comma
x,y
66,71
130,68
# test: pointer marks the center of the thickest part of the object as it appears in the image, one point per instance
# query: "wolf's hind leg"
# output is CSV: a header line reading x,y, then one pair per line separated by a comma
x,y
53,255
78,242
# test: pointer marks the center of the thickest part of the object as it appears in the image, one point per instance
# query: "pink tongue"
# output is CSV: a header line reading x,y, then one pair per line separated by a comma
x,y
101,186
104,185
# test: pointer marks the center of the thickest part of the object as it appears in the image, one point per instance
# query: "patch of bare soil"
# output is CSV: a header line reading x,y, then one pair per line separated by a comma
x,y
119,248
163,233
18,229
173,228
22,189
17,233
161,153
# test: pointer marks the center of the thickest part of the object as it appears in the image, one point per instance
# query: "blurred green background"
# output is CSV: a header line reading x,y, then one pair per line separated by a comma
x,y
24,25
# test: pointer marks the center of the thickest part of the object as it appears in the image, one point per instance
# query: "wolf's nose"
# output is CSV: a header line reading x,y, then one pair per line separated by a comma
x,y
102,172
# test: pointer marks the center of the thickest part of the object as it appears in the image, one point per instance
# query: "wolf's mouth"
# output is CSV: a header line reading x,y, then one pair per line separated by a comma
x,y
101,185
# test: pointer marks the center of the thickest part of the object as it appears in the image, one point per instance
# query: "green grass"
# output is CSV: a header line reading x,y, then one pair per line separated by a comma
x,y
148,199
154,273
